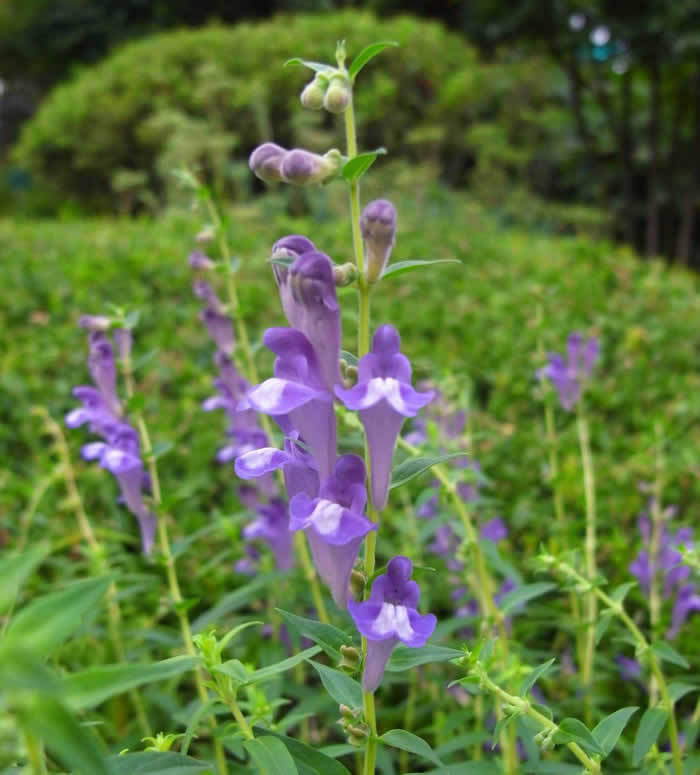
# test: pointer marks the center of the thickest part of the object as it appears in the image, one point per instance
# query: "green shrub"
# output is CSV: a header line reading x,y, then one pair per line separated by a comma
x,y
205,98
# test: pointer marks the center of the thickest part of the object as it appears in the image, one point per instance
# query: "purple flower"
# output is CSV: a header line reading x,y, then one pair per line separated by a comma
x,y
687,601
272,527
297,391
266,162
390,616
569,374
494,530
302,168
310,302
378,227
384,398
103,369
120,454
629,668
199,261
335,524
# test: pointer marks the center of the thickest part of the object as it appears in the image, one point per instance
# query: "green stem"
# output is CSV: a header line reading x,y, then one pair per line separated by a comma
x,y
523,706
99,560
590,552
654,548
371,719
483,588
643,646
164,543
35,754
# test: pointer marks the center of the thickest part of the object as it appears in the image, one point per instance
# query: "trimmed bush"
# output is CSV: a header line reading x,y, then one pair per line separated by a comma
x,y
204,98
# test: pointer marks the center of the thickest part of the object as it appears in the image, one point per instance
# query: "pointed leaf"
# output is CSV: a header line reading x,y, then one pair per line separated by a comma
x,y
270,671
620,593
414,466
93,686
309,761
157,763
14,569
521,595
271,756
73,745
405,658
653,721
401,267
534,675
328,637
665,651
406,741
343,689
356,167
608,731
45,623
367,53
571,730
678,689
317,67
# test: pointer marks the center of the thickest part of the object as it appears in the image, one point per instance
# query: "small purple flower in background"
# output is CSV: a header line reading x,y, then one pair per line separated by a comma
x,y
272,527
388,617
630,669
384,397
199,261
119,452
335,523
494,530
667,566
568,375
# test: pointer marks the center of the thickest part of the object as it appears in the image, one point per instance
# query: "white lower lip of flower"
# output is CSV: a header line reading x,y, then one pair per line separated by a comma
x,y
384,387
267,395
326,516
393,620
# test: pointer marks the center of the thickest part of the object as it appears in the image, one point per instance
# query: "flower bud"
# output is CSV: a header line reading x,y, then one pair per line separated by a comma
x,y
94,322
360,733
198,260
312,96
344,274
266,161
357,579
205,235
351,659
378,227
349,374
337,96
347,712
302,167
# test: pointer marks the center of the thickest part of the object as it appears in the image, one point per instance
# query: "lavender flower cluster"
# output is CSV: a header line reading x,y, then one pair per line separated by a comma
x,y
120,449
327,492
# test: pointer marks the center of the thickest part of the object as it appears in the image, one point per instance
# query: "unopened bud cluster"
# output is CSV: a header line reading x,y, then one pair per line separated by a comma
x,y
273,163
332,92
354,727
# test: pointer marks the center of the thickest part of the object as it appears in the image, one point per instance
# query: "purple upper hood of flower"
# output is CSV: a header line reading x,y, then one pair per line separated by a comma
x,y
568,375
272,527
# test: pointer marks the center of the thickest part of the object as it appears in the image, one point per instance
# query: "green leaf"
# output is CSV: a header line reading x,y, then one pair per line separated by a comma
x,y
14,569
406,741
193,722
534,675
571,730
367,53
678,689
271,756
620,593
401,267
21,669
270,671
156,763
317,67
667,653
521,595
234,600
415,466
231,634
328,637
72,744
343,689
608,731
356,167
404,658
601,627
653,721
96,684
309,760
45,623
235,670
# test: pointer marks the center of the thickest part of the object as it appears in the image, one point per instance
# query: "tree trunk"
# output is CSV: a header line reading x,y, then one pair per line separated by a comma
x,y
625,145
652,241
685,232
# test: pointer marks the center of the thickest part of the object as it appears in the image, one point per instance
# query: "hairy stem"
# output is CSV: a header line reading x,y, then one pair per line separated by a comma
x,y
591,567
